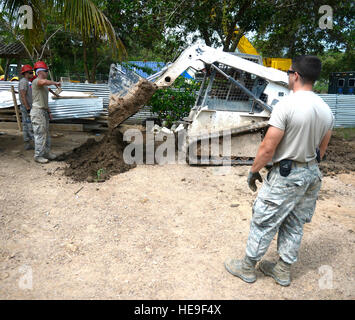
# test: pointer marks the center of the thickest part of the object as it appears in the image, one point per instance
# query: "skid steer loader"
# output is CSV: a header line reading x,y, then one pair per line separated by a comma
x,y
234,102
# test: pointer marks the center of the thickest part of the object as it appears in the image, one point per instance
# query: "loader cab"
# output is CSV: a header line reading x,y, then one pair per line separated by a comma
x,y
220,94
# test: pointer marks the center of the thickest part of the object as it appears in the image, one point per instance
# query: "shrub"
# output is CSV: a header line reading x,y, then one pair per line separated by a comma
x,y
173,103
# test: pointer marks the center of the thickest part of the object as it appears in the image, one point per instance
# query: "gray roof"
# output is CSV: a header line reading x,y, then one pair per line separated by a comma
x,y
12,50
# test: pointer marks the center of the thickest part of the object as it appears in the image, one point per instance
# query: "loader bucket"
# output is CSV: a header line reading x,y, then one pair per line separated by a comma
x,y
129,93
121,80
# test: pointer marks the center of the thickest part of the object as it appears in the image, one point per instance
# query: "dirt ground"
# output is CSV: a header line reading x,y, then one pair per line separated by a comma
x,y
154,232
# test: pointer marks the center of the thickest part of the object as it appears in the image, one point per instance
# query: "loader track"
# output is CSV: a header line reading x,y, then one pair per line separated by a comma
x,y
233,131
220,161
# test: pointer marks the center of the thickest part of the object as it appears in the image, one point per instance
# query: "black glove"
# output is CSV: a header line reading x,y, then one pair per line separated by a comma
x,y
252,177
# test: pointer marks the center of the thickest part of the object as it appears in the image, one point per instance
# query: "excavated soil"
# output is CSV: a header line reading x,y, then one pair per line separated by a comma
x,y
340,157
98,160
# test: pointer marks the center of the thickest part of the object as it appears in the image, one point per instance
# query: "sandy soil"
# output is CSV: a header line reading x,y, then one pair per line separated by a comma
x,y
154,232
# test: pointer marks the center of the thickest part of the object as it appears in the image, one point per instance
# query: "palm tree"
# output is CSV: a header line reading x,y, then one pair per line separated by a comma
x,y
81,16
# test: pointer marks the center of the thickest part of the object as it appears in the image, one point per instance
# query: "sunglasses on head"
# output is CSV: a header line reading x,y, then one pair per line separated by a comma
x,y
293,71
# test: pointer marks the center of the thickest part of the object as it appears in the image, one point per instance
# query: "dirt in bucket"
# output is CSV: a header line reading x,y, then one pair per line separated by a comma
x,y
97,161
121,108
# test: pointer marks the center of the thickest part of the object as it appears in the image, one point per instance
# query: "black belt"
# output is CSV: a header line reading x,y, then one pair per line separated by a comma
x,y
296,164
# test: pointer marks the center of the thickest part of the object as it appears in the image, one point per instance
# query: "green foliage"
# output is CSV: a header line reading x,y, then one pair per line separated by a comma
x,y
157,30
333,61
174,103
99,174
321,86
292,28
80,16
345,133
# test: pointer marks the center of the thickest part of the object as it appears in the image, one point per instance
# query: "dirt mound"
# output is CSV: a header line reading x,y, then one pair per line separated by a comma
x,y
340,157
97,161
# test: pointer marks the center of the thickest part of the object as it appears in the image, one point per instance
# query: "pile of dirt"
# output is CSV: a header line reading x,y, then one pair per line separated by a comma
x,y
340,157
96,161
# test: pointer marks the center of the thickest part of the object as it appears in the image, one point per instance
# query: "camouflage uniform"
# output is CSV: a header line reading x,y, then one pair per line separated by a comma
x,y
40,124
26,125
283,205
26,86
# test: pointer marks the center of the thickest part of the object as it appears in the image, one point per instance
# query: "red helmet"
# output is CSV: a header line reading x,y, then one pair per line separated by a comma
x,y
25,68
40,64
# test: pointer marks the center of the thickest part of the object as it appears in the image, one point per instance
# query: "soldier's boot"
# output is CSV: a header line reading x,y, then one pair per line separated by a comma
x,y
28,146
243,269
280,271
41,160
51,156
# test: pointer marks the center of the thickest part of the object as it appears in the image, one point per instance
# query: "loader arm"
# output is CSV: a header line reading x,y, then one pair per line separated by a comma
x,y
198,56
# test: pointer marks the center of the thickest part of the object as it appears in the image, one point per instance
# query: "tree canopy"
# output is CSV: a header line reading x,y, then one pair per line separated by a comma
x,y
85,36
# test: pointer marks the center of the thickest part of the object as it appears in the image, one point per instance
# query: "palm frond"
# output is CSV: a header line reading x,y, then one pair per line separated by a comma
x,y
81,16
85,17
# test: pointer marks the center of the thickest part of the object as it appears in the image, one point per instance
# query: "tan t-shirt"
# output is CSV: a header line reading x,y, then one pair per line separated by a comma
x,y
24,84
305,118
39,96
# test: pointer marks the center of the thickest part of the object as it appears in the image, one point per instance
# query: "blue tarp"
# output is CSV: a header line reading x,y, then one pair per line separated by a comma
x,y
155,66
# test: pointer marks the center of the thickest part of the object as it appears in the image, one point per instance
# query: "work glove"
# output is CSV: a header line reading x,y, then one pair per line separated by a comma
x,y
252,177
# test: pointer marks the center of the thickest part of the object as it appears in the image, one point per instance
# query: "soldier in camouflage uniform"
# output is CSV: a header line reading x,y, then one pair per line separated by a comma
x,y
40,113
25,94
299,124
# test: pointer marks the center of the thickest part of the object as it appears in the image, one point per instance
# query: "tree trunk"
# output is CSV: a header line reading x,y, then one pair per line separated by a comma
x,y
206,37
236,41
94,64
87,74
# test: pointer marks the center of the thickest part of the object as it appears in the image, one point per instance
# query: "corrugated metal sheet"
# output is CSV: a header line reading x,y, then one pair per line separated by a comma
x,y
99,90
343,108
6,100
76,108
60,108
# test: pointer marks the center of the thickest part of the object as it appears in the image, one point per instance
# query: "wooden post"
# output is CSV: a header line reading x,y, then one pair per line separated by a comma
x,y
16,108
